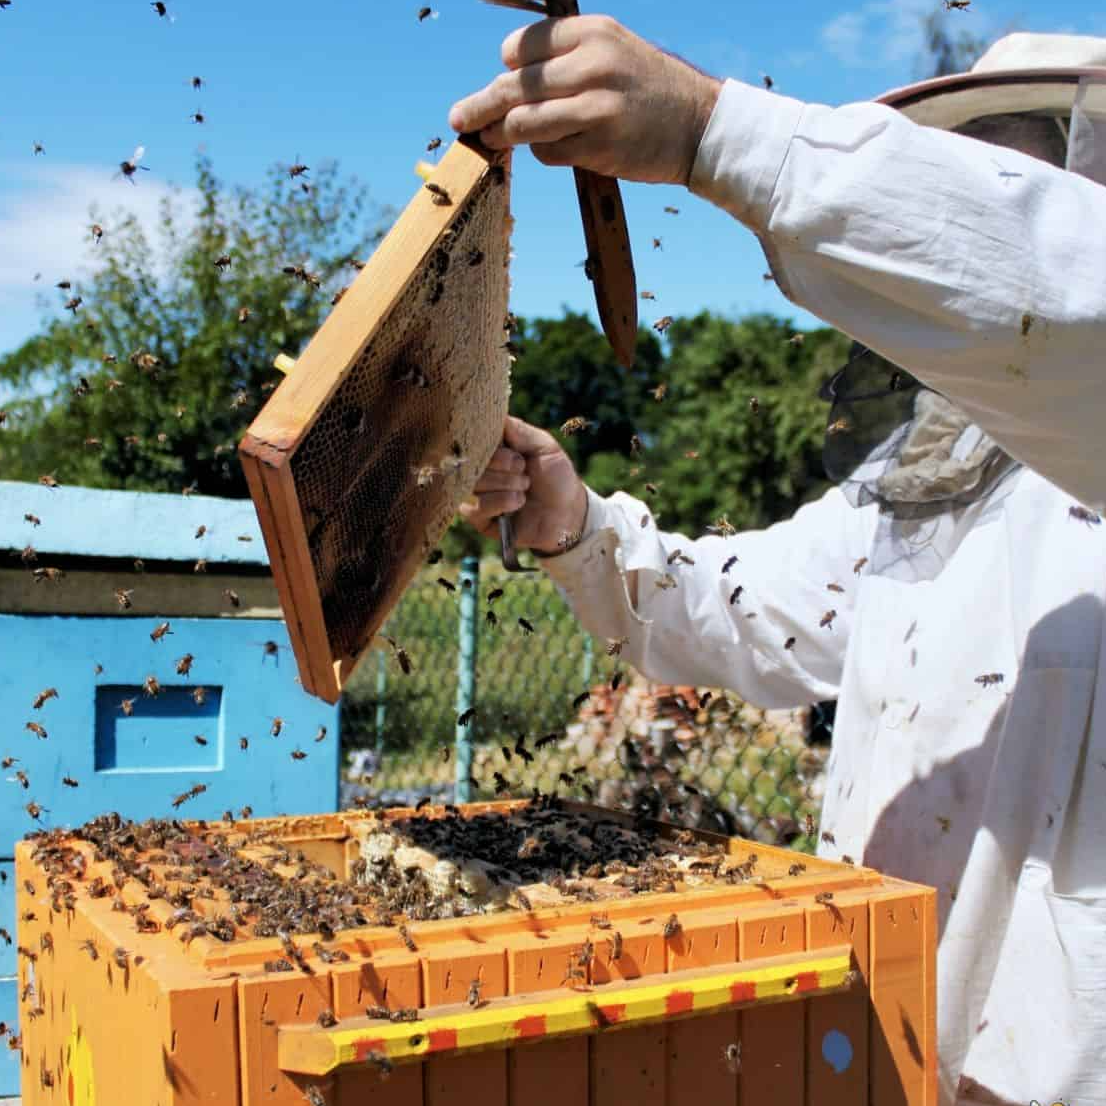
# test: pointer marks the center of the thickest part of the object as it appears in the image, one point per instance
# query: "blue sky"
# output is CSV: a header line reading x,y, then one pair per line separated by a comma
x,y
362,81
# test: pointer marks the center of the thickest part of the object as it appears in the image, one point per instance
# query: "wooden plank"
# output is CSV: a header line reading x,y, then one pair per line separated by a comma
x,y
900,1027
264,1004
837,1025
548,1073
629,1066
365,1087
448,972
773,1038
697,1071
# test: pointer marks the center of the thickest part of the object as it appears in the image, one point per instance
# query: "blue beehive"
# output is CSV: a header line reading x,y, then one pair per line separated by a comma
x,y
201,567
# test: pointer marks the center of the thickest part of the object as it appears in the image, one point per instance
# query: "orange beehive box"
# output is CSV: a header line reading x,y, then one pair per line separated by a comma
x,y
810,987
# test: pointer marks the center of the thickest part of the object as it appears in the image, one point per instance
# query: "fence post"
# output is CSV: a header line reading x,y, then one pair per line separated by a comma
x,y
466,676
588,664
381,692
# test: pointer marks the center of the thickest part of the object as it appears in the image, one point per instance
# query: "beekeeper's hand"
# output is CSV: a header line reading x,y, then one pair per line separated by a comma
x,y
529,474
587,92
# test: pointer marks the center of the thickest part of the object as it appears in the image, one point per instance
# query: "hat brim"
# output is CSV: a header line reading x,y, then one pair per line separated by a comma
x,y
949,102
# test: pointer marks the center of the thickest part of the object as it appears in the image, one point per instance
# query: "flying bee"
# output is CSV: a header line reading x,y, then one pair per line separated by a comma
x,y
838,426
827,619
501,783
199,696
796,339
754,405
69,781
73,303
858,567
672,926
823,897
438,194
614,646
663,323
130,167
666,581
198,117
34,520
200,739
34,810
989,679
231,597
184,664
796,869
321,735
400,654
21,776
127,707
648,295
731,1057
672,211
426,13
48,481
1082,514
160,631
243,743
200,531
433,144
835,588
38,148
447,584
789,643
298,754
45,696
659,392
957,5
243,314
527,626
151,687
36,729
828,837
473,998
657,245
89,946
277,726
574,425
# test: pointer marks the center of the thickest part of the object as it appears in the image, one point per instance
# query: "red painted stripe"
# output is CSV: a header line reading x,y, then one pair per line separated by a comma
x,y
441,1040
362,1048
526,1028
613,1013
743,991
678,1002
806,981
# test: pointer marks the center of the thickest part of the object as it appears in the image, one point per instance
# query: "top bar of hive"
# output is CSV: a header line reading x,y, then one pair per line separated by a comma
x,y
361,457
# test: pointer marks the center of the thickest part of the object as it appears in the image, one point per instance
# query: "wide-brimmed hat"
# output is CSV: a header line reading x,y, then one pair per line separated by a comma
x,y
1020,73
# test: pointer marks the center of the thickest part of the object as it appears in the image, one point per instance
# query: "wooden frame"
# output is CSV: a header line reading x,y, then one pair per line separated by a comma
x,y
420,238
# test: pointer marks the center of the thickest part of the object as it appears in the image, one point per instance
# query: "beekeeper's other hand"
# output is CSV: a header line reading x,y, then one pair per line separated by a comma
x,y
532,475
587,92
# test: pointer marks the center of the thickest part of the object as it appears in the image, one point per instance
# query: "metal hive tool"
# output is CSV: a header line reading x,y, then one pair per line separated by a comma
x,y
362,456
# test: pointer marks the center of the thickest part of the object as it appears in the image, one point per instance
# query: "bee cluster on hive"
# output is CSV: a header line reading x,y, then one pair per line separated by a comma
x,y
234,880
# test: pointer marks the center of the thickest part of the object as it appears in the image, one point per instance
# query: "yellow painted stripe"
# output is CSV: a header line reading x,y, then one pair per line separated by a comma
x,y
313,1051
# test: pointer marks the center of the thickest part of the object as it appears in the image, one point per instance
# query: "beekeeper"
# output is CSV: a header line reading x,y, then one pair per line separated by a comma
x,y
969,750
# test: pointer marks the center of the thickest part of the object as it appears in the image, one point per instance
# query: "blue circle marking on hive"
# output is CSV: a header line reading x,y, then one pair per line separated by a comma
x,y
837,1051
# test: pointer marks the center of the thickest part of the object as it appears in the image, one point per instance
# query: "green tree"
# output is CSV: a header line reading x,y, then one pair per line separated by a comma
x,y
945,50
743,425
150,381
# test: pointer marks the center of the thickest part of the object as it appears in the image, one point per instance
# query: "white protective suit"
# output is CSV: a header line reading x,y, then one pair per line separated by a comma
x,y
930,248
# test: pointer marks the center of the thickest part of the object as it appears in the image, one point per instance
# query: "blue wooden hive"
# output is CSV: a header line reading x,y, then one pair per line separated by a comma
x,y
202,567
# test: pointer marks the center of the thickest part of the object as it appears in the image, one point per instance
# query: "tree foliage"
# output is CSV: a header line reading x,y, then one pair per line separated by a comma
x,y
947,51
149,382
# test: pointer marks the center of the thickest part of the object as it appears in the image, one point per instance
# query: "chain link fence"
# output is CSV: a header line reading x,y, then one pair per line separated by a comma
x,y
505,692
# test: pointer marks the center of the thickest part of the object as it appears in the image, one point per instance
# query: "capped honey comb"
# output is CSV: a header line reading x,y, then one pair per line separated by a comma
x,y
359,460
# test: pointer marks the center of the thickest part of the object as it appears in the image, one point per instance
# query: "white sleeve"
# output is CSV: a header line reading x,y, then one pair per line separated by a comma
x,y
980,270
700,631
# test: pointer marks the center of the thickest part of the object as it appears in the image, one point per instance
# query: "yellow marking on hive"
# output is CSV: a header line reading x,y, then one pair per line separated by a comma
x,y
80,1088
318,1052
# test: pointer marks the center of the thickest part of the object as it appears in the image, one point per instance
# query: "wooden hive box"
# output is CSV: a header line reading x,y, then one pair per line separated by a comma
x,y
822,982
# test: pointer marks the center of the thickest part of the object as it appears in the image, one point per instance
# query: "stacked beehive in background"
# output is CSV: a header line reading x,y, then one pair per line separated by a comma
x,y
714,972
113,567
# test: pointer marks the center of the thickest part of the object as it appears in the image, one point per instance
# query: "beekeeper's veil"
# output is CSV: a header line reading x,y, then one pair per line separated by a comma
x,y
892,440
